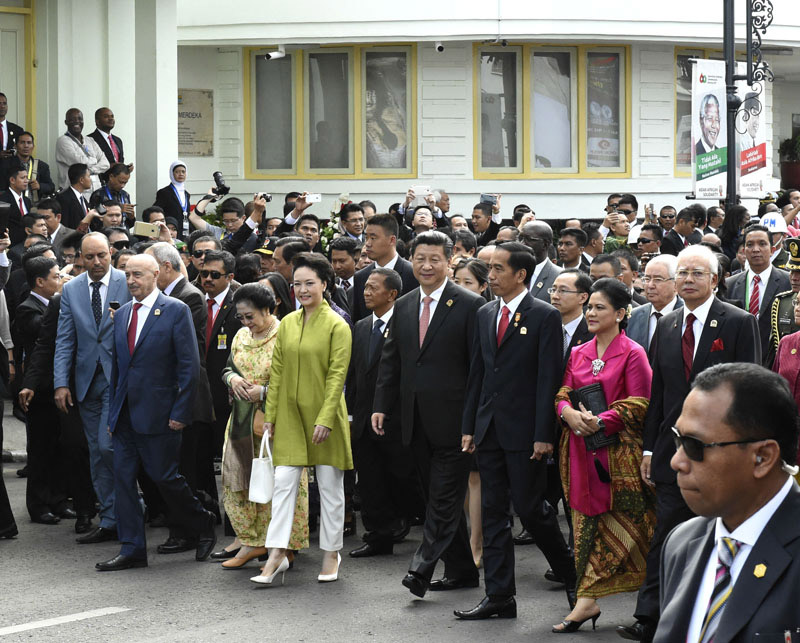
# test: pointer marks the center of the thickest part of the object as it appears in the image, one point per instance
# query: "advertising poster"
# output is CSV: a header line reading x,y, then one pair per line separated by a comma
x,y
603,119
751,140
709,127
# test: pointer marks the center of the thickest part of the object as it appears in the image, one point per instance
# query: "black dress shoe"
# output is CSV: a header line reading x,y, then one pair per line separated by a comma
x,y
401,533
23,473
83,524
68,514
417,585
639,631
487,608
46,519
99,535
9,532
119,562
349,527
553,577
207,539
158,522
175,545
224,555
446,584
524,538
372,549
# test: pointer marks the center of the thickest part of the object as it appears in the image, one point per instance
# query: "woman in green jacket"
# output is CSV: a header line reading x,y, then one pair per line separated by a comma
x,y
306,414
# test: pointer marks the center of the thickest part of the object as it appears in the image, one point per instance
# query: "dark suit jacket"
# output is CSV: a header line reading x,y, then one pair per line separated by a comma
x,y
737,289
767,606
402,268
580,336
638,299
225,323
360,388
671,244
72,211
39,367
430,380
163,367
512,386
544,281
639,322
14,131
15,229
168,201
490,234
46,185
17,289
738,333
101,142
28,321
194,299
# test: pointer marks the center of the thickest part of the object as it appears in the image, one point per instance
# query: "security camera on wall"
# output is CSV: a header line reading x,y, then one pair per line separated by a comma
x,y
439,46
280,52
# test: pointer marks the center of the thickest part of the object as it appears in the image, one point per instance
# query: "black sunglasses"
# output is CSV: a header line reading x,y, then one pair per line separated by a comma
x,y
199,254
205,274
121,244
666,216
695,448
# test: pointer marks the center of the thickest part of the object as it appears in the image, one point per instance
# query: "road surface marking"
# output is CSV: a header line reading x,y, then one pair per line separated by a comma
x,y
60,620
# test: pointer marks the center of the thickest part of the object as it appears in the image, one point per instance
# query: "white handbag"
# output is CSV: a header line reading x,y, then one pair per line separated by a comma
x,y
262,475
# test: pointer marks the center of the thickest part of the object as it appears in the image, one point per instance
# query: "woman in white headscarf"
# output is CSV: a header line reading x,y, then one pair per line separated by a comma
x,y
174,198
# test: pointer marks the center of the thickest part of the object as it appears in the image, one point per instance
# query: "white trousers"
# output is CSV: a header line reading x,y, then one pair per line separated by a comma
x,y
284,499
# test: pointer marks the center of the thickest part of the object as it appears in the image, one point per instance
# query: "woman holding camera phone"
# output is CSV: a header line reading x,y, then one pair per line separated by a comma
x,y
612,512
306,413
247,376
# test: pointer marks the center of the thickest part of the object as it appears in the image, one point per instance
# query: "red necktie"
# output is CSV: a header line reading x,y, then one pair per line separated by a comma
x,y
21,207
132,328
210,322
424,319
685,243
113,147
687,345
2,138
503,325
754,296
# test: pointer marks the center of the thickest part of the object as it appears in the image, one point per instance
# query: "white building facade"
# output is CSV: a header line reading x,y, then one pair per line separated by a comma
x,y
553,104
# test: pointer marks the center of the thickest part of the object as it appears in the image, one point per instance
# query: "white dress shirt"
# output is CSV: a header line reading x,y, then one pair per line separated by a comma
x,y
436,295
666,310
384,318
589,258
168,290
571,327
141,316
103,290
512,308
17,198
762,287
4,125
701,314
536,272
218,301
44,300
389,264
747,534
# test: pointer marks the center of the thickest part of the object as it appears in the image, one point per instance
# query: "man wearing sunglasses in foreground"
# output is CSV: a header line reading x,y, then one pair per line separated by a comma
x,y
734,573
703,333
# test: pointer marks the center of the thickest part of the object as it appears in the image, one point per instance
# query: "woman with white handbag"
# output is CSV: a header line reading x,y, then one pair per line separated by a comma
x,y
246,482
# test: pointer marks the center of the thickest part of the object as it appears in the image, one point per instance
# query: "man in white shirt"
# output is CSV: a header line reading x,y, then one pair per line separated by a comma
x,y
73,147
734,573
568,295
8,131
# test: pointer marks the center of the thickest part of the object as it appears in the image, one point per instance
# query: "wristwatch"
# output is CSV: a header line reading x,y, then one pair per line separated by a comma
x,y
600,424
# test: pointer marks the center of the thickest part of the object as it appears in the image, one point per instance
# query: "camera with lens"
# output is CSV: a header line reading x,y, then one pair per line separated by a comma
x,y
265,196
220,188
100,209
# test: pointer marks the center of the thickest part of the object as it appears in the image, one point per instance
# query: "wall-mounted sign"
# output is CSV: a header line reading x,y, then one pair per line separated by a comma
x,y
195,122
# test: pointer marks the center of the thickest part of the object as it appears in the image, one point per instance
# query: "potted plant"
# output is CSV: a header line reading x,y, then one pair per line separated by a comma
x,y
789,152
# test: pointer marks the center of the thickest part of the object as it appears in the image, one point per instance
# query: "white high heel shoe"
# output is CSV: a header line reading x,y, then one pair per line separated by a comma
x,y
267,580
329,578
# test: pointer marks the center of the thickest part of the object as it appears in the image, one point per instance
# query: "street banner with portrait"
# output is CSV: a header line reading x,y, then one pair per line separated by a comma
x,y
751,139
709,128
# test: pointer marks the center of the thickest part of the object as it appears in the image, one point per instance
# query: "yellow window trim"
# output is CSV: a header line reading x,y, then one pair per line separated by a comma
x,y
300,172
529,172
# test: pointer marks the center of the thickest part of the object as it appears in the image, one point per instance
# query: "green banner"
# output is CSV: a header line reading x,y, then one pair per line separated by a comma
x,y
711,163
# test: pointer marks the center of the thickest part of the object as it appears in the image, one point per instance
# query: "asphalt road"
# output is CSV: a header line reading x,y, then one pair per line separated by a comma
x,y
46,575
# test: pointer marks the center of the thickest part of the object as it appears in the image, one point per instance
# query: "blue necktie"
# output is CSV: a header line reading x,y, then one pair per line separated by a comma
x,y
375,338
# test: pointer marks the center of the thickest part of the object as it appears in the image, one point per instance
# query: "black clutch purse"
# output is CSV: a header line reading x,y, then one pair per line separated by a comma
x,y
593,400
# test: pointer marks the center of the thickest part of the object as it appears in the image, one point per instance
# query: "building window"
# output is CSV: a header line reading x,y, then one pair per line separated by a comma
x,y
683,109
551,111
500,104
331,113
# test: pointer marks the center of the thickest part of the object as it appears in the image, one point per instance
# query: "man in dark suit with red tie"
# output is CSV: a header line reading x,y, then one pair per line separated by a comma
x,y
703,333
8,131
74,205
110,145
423,377
20,204
515,374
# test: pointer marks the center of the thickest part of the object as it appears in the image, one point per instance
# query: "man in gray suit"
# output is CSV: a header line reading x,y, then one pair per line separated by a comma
x,y
662,298
538,236
732,573
754,289
84,345
50,209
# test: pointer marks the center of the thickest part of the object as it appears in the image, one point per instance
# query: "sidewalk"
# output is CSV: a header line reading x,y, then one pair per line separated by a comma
x,y
14,441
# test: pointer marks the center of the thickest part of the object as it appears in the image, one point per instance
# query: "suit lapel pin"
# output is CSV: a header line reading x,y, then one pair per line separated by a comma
x,y
540,284
157,312
523,330
760,570
713,323
386,334
449,302
794,351
516,318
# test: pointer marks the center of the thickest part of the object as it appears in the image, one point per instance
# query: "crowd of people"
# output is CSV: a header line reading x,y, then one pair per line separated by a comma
x,y
462,372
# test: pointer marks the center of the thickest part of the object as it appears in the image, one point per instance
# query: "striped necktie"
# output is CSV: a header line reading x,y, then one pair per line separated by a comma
x,y
727,548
